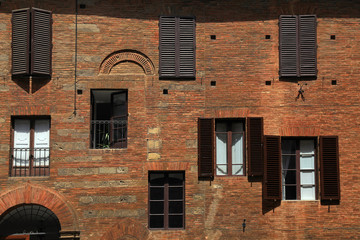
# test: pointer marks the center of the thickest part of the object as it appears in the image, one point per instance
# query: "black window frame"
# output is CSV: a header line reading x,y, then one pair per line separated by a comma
x,y
166,200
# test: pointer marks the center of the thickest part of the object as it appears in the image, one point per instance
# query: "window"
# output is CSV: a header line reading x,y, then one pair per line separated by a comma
x,y
31,42
30,152
298,169
109,118
297,46
290,168
229,147
177,47
225,151
166,200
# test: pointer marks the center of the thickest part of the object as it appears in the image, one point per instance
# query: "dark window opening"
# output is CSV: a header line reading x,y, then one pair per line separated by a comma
x,y
267,82
333,82
213,37
82,6
165,91
79,91
332,37
267,36
213,83
109,117
166,200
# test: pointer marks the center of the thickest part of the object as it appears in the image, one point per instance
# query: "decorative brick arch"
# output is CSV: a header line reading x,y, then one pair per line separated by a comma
x,y
127,229
30,193
127,56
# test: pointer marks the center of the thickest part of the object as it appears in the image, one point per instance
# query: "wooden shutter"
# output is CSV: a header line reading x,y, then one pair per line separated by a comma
x,y
186,34
307,35
41,44
272,168
288,46
167,47
20,41
255,134
206,148
329,168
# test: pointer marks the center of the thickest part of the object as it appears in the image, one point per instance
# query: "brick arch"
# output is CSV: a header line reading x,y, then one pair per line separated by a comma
x,y
127,229
30,193
130,56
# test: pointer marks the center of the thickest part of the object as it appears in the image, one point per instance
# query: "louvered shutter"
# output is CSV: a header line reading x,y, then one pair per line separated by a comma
x,y
206,148
20,41
329,168
255,146
272,168
41,44
167,49
307,35
186,34
288,46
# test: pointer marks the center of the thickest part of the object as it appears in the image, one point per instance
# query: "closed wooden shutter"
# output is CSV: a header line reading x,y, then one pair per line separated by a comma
x,y
255,146
41,44
177,47
206,148
288,46
329,168
272,168
20,41
186,47
307,34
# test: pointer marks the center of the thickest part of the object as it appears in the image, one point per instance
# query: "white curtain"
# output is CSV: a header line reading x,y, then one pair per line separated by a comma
x,y
237,149
221,151
307,169
21,151
41,143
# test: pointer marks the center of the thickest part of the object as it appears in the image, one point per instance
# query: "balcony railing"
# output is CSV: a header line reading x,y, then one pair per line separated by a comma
x,y
29,162
109,133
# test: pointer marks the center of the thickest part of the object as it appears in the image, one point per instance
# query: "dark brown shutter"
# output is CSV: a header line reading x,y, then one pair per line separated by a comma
x,y
167,44
288,46
41,44
20,41
186,47
272,168
329,168
307,35
255,134
206,148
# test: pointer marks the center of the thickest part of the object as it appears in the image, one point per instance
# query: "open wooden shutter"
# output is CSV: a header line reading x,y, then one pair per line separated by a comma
x,y
255,134
329,168
186,33
41,44
307,35
20,41
288,46
167,44
272,168
206,148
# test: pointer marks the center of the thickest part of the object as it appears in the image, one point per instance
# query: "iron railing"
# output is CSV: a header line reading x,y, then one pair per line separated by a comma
x,y
26,162
109,133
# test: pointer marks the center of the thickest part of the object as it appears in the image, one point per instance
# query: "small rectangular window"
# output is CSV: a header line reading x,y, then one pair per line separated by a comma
x,y
166,200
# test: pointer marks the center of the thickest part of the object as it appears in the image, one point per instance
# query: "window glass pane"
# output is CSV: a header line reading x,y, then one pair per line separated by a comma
x,y
290,192
157,221
220,127
157,179
288,161
221,169
307,162
237,148
289,176
176,179
237,127
288,146
175,193
237,170
156,193
308,193
175,206
307,147
156,207
307,177
221,152
175,221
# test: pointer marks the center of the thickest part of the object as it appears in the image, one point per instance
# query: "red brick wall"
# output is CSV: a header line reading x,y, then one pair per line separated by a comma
x,y
163,128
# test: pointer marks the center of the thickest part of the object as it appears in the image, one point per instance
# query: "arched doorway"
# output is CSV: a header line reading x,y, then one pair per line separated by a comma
x,y
29,222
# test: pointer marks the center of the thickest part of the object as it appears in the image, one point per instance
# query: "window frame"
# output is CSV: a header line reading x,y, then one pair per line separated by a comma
x,y
298,170
166,200
229,163
46,170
